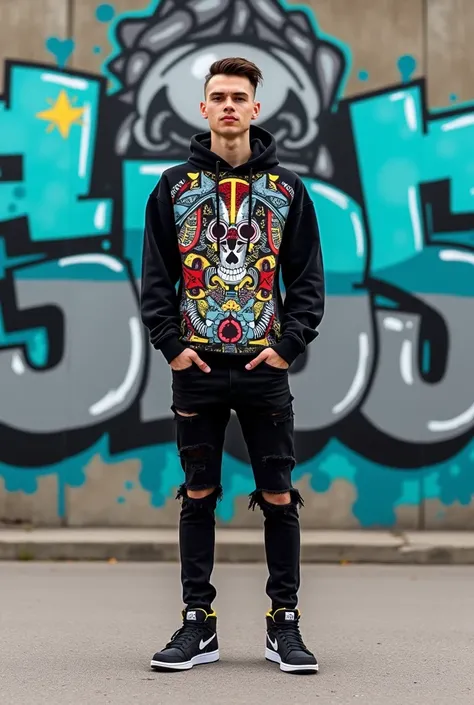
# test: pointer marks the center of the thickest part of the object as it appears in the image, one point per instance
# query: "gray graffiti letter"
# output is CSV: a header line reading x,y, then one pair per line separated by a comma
x,y
103,360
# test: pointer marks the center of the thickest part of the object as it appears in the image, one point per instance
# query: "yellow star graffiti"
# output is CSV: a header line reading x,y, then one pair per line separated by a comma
x,y
62,114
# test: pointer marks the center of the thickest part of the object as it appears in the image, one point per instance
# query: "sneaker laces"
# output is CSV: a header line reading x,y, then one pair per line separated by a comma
x,y
291,637
185,635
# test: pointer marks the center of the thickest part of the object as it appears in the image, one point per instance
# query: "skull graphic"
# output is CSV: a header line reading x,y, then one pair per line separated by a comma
x,y
234,232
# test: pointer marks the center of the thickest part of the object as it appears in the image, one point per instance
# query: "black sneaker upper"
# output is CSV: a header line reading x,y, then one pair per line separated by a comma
x,y
284,637
196,636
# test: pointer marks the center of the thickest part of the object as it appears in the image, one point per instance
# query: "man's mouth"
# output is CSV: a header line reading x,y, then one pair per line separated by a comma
x,y
229,118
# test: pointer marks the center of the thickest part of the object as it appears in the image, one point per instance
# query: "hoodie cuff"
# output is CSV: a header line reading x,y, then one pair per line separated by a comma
x,y
171,348
288,348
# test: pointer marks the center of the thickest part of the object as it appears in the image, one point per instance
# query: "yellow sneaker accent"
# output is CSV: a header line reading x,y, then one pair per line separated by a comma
x,y
272,614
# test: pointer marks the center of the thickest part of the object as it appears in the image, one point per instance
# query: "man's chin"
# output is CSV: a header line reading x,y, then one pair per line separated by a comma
x,y
231,130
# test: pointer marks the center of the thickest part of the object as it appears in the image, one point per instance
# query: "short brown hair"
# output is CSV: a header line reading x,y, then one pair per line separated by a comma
x,y
235,66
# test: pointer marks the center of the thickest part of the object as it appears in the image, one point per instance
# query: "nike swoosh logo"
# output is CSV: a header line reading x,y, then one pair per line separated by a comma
x,y
203,644
273,643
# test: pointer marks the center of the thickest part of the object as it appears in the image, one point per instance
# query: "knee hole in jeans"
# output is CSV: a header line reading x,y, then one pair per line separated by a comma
x,y
257,499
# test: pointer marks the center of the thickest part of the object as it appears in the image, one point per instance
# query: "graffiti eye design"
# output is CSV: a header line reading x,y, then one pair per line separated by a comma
x,y
249,232
216,231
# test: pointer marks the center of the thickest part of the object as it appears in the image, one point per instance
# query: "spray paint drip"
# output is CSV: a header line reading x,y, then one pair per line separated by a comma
x,y
406,64
61,49
105,12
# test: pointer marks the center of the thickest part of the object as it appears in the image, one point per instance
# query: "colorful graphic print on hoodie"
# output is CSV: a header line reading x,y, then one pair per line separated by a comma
x,y
217,238
229,257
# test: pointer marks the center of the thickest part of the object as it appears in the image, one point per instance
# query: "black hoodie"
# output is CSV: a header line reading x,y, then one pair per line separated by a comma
x,y
223,234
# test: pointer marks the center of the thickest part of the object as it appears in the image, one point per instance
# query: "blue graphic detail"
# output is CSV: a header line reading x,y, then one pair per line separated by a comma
x,y
105,12
363,75
62,49
407,66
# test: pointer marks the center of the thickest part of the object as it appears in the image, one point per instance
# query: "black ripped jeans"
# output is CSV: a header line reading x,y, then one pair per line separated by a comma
x,y
262,401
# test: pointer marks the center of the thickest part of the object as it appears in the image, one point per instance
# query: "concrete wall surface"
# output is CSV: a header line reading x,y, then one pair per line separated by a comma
x,y
370,99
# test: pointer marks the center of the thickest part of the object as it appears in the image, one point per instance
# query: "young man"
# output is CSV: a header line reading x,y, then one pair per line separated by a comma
x,y
223,226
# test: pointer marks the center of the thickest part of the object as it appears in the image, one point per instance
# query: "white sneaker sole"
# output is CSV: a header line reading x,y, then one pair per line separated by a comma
x,y
208,657
288,668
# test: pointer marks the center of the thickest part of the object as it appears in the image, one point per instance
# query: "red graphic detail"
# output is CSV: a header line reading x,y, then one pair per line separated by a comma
x,y
269,232
184,187
194,276
230,330
270,325
283,190
266,278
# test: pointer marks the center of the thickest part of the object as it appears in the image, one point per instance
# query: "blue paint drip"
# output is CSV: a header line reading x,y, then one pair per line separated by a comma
x,y
453,97
120,500
19,192
105,12
363,75
406,64
97,49
61,49
128,485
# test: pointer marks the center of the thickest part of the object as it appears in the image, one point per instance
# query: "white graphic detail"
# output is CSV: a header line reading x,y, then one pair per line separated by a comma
x,y
274,644
191,615
290,617
203,644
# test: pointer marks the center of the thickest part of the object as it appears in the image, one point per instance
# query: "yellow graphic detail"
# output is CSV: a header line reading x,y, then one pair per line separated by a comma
x,y
188,230
216,281
197,339
263,342
62,114
194,176
270,259
192,256
231,305
246,280
273,179
258,308
203,307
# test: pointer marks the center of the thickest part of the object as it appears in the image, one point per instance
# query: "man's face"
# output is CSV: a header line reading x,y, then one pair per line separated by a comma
x,y
229,105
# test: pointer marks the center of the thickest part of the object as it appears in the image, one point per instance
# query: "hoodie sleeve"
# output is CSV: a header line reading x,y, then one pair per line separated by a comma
x,y
161,270
302,271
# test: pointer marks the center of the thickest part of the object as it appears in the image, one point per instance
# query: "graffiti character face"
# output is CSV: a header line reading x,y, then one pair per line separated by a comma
x,y
230,106
233,236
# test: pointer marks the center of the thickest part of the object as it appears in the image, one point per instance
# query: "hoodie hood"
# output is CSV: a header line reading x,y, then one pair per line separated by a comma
x,y
263,157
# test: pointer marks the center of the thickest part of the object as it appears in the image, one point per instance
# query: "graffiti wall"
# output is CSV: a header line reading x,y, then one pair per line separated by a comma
x,y
384,399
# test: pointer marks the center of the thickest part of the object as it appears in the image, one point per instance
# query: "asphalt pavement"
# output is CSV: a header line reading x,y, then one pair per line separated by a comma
x,y
84,633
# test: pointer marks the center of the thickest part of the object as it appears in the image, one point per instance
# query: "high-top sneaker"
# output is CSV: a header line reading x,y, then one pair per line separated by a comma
x,y
284,644
194,643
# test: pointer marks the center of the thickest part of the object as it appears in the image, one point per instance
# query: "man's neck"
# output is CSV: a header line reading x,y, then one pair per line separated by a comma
x,y
235,152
